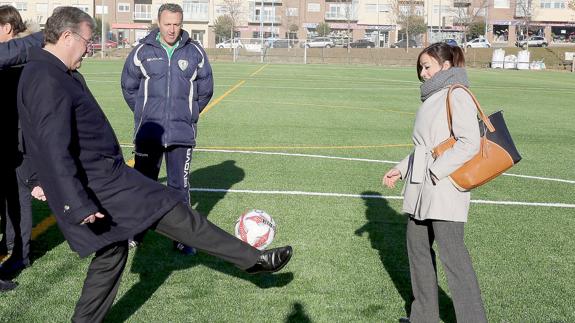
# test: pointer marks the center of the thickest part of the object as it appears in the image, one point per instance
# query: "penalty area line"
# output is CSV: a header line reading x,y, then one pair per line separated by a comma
x,y
368,196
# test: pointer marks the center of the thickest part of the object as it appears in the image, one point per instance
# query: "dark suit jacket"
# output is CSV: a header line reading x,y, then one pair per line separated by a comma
x,y
79,160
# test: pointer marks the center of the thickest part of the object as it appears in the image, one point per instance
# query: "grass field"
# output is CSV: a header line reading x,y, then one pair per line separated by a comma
x,y
350,262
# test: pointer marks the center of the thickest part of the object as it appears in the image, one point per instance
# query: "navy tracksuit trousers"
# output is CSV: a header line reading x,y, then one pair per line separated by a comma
x,y
148,161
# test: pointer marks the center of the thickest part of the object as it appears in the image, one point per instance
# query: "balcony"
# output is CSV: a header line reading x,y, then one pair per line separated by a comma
x,y
138,15
461,3
276,2
267,19
340,16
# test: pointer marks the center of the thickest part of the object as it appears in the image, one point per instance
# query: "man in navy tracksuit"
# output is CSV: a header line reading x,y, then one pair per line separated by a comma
x,y
167,81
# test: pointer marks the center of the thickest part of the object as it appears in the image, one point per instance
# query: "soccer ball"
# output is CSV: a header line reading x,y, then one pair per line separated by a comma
x,y
257,228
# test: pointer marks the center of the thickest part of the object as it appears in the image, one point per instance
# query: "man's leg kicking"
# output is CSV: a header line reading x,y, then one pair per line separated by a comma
x,y
185,224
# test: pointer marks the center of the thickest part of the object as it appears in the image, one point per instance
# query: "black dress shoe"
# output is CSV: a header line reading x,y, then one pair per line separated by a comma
x,y
404,320
6,285
271,260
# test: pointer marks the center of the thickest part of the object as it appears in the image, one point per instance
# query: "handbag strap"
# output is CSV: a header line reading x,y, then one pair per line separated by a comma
x,y
482,115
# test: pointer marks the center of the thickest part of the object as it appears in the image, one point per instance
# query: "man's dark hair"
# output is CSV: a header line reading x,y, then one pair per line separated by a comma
x,y
63,19
171,7
10,15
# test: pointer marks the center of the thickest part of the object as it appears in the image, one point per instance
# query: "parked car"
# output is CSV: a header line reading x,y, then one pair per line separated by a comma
x,y
97,45
362,43
234,43
533,41
451,42
403,44
279,43
478,43
319,42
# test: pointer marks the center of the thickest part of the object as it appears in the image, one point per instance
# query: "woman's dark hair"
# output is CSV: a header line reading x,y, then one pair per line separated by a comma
x,y
10,15
442,52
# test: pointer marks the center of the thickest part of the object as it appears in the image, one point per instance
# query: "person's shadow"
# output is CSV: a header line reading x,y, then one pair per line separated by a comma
x,y
298,314
155,259
221,176
387,231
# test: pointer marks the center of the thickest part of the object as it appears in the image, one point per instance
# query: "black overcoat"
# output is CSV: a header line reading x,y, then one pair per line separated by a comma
x,y
79,160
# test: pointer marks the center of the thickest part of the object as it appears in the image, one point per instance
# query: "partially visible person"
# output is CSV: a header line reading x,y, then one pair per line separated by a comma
x,y
167,81
18,177
437,210
99,202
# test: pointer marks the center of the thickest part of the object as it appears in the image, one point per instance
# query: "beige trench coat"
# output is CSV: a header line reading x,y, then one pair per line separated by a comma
x,y
440,201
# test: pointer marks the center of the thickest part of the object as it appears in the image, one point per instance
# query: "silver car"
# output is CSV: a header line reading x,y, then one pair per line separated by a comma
x,y
319,42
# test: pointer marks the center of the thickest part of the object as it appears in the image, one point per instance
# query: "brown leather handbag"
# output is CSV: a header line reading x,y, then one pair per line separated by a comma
x,y
496,155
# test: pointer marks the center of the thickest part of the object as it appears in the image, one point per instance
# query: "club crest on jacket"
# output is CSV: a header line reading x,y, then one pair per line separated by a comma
x,y
183,64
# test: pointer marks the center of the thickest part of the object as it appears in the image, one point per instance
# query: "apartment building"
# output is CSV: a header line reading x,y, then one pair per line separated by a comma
x,y
127,21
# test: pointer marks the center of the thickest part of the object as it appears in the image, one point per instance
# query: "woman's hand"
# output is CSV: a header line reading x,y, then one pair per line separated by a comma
x,y
391,177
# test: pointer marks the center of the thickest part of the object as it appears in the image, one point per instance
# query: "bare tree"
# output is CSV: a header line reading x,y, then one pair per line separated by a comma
x,y
408,14
524,12
465,15
233,8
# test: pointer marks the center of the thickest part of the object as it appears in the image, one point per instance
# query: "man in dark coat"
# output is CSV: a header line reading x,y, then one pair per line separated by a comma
x,y
98,201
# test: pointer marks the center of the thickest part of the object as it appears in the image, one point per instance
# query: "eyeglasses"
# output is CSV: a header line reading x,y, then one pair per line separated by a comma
x,y
88,42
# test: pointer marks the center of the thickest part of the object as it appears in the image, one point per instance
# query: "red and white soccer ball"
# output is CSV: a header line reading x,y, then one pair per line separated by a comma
x,y
257,228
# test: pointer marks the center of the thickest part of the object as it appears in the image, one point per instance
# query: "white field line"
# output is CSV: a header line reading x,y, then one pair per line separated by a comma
x,y
351,159
301,193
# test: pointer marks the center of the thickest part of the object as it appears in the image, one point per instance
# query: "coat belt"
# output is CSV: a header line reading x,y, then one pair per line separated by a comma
x,y
420,163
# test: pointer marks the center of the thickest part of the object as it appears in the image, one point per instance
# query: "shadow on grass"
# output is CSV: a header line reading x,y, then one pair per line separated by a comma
x,y
387,230
155,260
298,314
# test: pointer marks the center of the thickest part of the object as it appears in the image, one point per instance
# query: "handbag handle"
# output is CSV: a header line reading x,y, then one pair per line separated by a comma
x,y
482,115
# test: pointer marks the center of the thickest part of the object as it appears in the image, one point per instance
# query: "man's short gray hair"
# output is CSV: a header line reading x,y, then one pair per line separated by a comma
x,y
66,18
171,7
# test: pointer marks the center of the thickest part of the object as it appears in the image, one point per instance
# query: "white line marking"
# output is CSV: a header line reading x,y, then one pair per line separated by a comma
x,y
542,178
296,155
352,159
219,190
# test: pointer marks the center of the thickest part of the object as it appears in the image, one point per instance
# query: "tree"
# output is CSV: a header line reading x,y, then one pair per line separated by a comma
x,y
408,15
223,27
233,9
472,19
476,28
323,29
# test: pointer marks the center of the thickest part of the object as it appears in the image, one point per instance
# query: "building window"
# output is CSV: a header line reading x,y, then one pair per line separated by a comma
x,y
313,7
142,11
195,10
292,12
42,8
123,7
375,7
83,7
22,6
551,4
501,4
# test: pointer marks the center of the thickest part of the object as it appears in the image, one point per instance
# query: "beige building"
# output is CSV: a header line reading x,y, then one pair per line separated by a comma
x,y
127,21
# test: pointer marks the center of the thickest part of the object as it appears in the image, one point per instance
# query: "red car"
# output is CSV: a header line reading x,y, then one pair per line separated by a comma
x,y
109,44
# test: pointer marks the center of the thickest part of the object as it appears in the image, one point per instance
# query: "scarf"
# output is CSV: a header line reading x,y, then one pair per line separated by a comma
x,y
443,79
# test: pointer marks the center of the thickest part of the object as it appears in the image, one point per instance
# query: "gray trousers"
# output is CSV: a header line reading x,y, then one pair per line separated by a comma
x,y
456,261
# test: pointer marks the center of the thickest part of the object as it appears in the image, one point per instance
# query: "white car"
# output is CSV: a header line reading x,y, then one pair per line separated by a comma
x,y
319,42
478,43
234,43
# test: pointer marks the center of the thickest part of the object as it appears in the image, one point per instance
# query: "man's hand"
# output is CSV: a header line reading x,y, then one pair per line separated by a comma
x,y
391,177
38,193
92,218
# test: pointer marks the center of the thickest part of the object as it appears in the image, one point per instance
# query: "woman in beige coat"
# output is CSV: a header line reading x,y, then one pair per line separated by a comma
x,y
437,209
